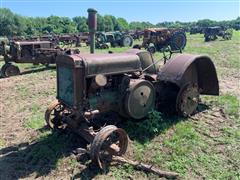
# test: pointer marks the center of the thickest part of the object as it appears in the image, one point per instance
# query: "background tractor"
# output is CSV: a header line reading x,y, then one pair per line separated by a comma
x,y
115,39
35,52
158,39
212,33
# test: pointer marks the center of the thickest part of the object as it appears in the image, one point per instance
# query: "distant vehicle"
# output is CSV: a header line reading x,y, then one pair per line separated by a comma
x,y
115,39
157,39
212,33
36,52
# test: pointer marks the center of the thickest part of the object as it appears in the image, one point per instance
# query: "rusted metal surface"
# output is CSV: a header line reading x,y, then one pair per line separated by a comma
x,y
191,68
140,98
54,115
187,100
103,63
109,141
92,25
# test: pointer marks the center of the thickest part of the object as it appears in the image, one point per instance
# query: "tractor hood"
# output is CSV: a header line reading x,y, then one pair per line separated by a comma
x,y
102,63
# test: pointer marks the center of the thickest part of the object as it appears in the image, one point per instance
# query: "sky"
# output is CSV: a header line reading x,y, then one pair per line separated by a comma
x,y
153,11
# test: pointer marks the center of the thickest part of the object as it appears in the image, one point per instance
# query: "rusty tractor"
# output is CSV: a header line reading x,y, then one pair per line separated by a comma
x,y
212,33
159,39
72,39
115,39
129,84
35,52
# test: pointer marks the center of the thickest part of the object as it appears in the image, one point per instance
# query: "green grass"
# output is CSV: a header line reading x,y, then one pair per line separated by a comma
x,y
50,149
228,102
123,171
35,122
1,143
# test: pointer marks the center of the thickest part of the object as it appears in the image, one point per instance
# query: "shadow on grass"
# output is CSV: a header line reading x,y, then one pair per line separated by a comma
x,y
41,157
89,172
156,123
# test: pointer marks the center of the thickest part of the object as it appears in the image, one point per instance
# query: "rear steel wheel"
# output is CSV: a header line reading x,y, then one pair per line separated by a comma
x,y
127,41
104,46
3,69
178,41
187,100
10,70
53,116
109,141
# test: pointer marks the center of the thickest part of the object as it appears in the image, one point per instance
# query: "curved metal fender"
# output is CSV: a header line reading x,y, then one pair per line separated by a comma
x,y
187,68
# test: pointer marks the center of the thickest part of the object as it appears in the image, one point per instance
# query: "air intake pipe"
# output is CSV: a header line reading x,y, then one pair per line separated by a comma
x,y
92,26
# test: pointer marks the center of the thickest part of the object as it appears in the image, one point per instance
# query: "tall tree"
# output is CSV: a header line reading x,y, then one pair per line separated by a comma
x,y
122,24
108,24
81,23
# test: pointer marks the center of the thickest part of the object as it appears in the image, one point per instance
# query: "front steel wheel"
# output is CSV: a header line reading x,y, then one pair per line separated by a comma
x,y
10,70
53,116
109,141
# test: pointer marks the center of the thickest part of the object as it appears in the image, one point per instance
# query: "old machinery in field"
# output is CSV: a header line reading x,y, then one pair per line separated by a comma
x,y
115,39
36,52
212,33
158,39
128,84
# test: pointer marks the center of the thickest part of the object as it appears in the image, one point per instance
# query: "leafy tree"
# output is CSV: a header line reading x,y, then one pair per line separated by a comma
x,y
12,24
108,24
81,23
122,24
100,23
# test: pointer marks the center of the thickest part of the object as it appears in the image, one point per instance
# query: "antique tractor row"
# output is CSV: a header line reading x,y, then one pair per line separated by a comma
x,y
212,33
114,39
129,84
64,39
160,39
35,52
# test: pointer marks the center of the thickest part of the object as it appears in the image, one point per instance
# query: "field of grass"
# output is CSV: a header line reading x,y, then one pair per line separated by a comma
x,y
205,146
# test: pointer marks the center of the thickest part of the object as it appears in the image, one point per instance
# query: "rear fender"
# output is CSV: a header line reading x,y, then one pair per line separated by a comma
x,y
186,68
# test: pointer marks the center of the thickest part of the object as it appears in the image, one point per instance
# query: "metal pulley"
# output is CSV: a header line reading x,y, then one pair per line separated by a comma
x,y
140,99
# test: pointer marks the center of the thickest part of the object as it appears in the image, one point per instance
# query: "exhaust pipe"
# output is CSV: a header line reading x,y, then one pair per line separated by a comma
x,y
92,26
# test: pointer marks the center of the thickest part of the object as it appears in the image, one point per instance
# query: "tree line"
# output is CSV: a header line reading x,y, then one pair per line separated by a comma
x,y
12,24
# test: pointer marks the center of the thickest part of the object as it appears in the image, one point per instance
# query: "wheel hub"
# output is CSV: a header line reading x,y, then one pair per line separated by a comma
x,y
187,100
